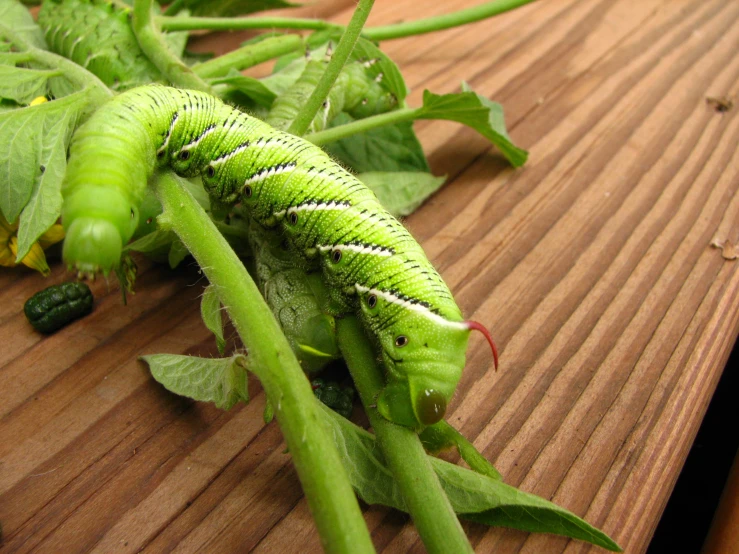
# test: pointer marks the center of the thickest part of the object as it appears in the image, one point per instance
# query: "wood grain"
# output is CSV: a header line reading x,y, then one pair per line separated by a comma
x,y
592,265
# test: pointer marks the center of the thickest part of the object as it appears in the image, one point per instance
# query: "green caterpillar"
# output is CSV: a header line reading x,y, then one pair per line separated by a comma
x,y
294,297
330,220
354,92
97,35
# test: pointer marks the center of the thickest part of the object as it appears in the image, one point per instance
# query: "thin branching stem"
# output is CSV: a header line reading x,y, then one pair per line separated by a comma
x,y
153,45
383,32
343,50
249,55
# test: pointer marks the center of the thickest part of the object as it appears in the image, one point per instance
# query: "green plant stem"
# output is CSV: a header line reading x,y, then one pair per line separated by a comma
x,y
249,55
445,21
153,44
325,483
343,50
362,125
428,505
184,23
174,7
384,32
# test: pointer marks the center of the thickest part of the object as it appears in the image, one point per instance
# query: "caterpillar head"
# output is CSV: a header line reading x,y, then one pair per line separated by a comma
x,y
98,221
424,359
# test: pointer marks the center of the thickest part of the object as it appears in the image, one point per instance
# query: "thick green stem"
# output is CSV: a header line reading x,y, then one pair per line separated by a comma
x,y
445,21
182,23
343,50
249,55
384,32
153,44
428,505
362,125
325,483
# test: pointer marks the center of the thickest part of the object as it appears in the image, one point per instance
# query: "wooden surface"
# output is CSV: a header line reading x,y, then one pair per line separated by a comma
x,y
593,267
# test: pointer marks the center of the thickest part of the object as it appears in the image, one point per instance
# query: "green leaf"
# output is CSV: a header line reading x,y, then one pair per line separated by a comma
x,y
33,145
221,380
176,42
392,78
19,129
229,8
289,67
177,252
45,205
23,85
388,148
363,461
210,311
401,192
478,112
472,495
249,86
156,242
287,70
15,16
441,436
491,502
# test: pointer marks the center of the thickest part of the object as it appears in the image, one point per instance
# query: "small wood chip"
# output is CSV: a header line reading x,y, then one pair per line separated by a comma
x,y
721,104
728,251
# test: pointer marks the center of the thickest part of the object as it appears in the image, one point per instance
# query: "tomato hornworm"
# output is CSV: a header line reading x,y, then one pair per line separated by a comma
x,y
330,221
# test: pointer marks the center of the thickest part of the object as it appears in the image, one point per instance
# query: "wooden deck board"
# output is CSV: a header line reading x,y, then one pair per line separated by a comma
x,y
592,265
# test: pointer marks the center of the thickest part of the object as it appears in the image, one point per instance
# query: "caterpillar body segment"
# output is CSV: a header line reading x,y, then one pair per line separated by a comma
x,y
355,92
97,35
104,187
295,299
331,221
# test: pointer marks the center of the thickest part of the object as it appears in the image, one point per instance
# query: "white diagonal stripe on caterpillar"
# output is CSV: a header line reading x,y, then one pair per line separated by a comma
x,y
163,147
358,248
269,172
412,306
195,142
313,206
223,158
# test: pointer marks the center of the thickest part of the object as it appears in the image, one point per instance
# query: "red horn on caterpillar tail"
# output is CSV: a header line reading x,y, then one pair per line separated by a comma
x,y
480,327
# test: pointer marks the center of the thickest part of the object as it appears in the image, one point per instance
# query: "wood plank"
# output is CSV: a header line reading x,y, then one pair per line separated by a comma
x,y
592,265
